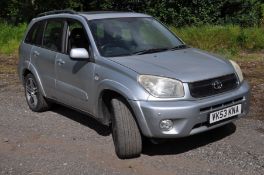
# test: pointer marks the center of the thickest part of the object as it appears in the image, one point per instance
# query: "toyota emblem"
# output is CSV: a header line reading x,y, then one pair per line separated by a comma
x,y
217,84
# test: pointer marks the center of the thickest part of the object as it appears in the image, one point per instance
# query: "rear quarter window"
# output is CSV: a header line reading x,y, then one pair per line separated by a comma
x,y
35,34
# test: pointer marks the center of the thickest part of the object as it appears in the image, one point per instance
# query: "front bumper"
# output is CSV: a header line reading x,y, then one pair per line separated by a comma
x,y
189,116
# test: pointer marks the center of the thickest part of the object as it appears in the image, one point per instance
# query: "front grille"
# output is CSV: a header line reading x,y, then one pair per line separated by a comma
x,y
221,105
213,86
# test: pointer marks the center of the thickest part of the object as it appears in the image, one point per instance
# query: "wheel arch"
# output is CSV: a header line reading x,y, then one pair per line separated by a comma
x,y
107,91
112,88
31,70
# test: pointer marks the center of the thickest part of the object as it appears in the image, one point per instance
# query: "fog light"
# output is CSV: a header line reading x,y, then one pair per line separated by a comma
x,y
166,125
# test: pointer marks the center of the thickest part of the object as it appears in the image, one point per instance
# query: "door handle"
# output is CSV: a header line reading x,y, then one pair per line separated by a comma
x,y
60,62
36,53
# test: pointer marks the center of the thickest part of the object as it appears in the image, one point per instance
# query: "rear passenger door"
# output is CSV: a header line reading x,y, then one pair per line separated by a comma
x,y
74,78
43,55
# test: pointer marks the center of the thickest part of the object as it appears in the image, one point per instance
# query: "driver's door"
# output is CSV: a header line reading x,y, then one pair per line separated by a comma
x,y
74,79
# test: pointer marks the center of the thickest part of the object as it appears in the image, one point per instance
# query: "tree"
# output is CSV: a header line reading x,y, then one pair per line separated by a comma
x,y
175,12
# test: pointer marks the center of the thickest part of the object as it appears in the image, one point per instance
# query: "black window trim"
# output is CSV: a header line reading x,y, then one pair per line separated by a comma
x,y
64,20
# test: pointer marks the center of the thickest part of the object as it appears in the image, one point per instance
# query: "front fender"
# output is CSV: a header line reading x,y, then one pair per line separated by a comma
x,y
113,86
131,98
117,87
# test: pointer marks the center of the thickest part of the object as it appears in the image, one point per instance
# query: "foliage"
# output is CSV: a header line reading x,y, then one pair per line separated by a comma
x,y
182,12
10,37
244,13
175,12
228,40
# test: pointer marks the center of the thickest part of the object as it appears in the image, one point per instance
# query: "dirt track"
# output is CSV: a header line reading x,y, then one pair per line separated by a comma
x,y
63,141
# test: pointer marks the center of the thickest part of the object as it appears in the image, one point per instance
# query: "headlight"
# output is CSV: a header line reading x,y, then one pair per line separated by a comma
x,y
238,70
161,87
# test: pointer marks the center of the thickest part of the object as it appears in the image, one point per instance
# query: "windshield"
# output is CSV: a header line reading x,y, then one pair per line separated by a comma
x,y
129,36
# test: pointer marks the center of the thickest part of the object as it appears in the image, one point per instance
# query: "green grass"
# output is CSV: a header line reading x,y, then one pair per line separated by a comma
x,y
10,37
226,40
229,41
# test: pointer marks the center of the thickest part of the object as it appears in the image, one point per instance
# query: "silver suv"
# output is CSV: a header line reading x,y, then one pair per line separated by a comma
x,y
129,72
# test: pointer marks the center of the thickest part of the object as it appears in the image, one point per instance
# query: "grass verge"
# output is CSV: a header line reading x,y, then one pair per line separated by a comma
x,y
10,37
228,41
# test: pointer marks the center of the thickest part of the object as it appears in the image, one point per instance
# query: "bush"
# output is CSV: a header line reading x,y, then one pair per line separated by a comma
x,y
174,12
223,39
10,37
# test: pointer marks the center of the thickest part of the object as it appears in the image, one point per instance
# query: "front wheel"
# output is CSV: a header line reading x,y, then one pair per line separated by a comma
x,y
125,132
34,97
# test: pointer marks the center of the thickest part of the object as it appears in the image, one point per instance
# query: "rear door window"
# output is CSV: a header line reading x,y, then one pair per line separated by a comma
x,y
53,35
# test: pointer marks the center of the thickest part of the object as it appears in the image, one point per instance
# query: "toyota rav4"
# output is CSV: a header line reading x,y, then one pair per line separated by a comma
x,y
129,72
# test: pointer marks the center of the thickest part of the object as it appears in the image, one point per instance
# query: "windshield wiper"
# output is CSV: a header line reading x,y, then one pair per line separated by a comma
x,y
181,46
145,51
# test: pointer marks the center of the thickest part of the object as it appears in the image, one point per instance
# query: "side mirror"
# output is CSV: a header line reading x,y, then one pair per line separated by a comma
x,y
79,54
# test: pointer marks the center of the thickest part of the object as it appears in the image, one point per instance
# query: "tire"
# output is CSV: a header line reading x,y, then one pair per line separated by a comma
x,y
126,135
34,97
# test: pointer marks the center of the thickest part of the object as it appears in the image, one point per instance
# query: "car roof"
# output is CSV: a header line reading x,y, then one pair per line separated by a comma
x,y
89,15
110,14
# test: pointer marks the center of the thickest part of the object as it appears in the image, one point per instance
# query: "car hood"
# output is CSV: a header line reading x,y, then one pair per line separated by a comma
x,y
187,65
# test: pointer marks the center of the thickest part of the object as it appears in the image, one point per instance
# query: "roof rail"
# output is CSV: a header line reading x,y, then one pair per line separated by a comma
x,y
57,12
99,12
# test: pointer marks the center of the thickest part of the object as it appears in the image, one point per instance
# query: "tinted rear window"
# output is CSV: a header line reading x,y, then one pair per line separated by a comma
x,y
35,34
53,35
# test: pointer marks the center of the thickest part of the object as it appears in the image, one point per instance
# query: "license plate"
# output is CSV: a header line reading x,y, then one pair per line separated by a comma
x,y
224,113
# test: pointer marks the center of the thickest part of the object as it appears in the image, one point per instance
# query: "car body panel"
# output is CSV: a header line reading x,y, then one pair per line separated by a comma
x,y
44,63
74,81
186,65
186,113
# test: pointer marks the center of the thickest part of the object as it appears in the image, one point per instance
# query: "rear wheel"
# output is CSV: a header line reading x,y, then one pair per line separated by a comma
x,y
34,97
125,132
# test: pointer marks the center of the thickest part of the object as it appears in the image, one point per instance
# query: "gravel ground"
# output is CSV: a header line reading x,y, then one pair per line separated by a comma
x,y
63,141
